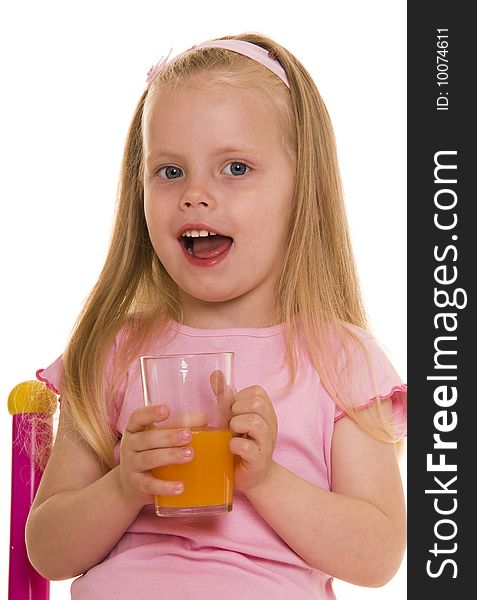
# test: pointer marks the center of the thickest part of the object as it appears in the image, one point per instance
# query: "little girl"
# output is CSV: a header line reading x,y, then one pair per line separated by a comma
x,y
230,235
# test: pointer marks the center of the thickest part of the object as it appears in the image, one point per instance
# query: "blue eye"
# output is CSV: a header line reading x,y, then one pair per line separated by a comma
x,y
236,168
169,172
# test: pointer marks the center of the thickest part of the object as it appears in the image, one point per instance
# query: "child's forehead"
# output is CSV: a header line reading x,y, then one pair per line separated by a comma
x,y
203,84
192,101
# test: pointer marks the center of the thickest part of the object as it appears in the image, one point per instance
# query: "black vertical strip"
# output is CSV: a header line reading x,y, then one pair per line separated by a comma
x,y
442,267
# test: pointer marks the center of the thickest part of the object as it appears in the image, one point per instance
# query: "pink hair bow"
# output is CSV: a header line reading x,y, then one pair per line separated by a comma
x,y
156,69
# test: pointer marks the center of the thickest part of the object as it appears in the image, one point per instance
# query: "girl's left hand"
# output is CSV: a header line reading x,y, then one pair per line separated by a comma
x,y
255,422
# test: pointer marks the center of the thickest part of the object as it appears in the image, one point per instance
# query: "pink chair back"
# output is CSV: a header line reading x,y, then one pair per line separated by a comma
x,y
32,406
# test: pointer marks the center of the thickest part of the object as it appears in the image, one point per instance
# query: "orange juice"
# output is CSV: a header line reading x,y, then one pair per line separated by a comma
x,y
207,478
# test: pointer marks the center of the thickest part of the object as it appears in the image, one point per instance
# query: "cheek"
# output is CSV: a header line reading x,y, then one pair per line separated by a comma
x,y
148,211
265,243
156,219
269,226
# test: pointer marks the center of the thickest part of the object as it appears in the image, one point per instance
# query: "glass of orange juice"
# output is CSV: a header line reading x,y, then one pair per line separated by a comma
x,y
199,391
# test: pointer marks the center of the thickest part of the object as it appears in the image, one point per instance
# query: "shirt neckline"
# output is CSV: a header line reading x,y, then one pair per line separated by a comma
x,y
231,331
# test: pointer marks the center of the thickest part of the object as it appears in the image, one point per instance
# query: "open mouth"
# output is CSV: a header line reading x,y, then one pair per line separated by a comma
x,y
205,244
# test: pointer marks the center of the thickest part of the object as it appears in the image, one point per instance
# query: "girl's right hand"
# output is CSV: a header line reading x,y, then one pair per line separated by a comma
x,y
144,447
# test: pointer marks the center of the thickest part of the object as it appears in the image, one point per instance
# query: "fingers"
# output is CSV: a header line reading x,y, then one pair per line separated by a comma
x,y
255,437
160,457
146,415
217,381
157,487
144,485
158,438
254,414
255,422
248,450
224,393
146,446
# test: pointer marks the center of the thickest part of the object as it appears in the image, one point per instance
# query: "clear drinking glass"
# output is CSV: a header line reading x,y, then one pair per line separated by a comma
x,y
199,391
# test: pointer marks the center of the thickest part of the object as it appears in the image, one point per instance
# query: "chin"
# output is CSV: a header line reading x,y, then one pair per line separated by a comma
x,y
212,296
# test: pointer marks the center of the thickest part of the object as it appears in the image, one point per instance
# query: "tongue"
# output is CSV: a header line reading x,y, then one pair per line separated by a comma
x,y
211,246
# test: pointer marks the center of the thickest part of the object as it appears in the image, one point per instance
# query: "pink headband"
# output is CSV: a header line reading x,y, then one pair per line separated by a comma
x,y
253,51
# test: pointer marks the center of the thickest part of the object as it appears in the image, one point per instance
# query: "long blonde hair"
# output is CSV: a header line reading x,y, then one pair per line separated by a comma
x,y
317,293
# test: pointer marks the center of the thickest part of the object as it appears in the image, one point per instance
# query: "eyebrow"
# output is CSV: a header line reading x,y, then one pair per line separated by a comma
x,y
231,149
228,149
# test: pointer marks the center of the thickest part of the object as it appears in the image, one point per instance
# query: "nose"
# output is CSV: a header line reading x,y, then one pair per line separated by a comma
x,y
197,193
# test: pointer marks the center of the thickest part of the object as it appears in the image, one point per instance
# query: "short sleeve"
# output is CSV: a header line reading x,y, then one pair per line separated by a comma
x,y
51,376
370,374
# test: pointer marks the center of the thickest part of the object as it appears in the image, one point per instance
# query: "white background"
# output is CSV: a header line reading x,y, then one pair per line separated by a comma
x,y
71,76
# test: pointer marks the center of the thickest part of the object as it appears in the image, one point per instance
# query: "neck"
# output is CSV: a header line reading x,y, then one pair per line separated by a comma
x,y
225,315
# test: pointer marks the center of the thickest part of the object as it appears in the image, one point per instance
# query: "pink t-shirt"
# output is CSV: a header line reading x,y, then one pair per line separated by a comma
x,y
236,555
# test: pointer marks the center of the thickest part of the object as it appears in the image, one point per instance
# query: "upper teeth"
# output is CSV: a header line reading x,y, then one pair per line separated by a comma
x,y
196,233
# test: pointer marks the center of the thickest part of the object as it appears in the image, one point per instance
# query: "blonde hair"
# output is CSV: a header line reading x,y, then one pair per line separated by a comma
x,y
317,293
